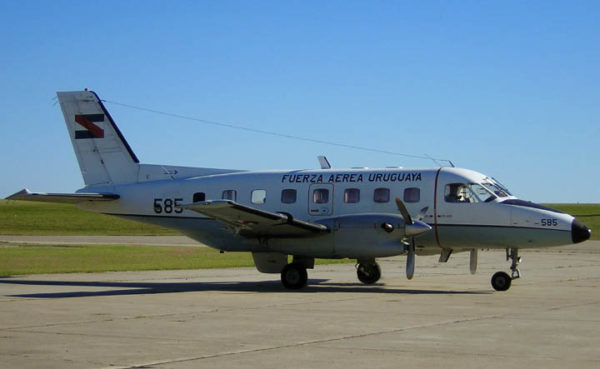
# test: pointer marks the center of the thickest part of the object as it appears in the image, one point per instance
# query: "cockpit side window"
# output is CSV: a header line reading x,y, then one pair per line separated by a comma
x,y
455,192
467,193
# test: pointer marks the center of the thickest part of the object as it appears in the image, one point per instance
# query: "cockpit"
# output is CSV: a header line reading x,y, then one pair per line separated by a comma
x,y
487,190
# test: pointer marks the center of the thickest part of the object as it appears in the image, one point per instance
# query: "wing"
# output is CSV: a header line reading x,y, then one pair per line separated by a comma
x,y
252,222
65,198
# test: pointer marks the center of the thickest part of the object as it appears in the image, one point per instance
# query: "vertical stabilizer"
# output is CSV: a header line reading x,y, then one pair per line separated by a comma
x,y
103,154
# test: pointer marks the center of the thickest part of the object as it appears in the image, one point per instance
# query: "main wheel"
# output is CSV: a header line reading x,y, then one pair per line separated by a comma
x,y
294,276
368,273
501,281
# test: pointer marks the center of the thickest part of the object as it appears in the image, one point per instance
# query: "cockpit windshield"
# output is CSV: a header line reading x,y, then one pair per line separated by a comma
x,y
496,188
503,187
486,191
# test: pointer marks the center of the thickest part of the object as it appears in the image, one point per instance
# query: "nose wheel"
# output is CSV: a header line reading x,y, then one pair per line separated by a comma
x,y
501,281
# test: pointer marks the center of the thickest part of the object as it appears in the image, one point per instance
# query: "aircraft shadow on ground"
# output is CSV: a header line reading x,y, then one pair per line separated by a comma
x,y
141,288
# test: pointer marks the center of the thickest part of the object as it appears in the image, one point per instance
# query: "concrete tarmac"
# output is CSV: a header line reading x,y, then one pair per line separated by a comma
x,y
239,318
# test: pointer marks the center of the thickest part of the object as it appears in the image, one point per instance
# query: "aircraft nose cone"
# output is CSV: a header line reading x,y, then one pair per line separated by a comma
x,y
579,232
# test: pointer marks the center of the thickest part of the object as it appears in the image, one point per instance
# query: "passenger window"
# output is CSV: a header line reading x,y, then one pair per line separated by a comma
x,y
381,195
352,195
412,194
288,196
229,195
199,196
321,196
259,196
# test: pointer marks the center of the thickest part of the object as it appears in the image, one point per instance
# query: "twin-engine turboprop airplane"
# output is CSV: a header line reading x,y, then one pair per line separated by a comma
x,y
361,214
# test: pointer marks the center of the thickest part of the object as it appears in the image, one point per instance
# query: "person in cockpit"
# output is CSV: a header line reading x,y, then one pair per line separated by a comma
x,y
456,192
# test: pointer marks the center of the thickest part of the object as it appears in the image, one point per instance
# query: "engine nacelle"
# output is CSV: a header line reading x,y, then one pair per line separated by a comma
x,y
354,236
367,235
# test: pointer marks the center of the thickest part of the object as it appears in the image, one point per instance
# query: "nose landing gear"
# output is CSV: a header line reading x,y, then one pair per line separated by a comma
x,y
501,281
513,254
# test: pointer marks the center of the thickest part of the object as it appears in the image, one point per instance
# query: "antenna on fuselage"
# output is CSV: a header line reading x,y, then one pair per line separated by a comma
x,y
440,161
323,162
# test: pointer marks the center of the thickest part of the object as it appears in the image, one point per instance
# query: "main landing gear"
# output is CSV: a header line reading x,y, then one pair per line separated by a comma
x,y
501,281
294,276
368,272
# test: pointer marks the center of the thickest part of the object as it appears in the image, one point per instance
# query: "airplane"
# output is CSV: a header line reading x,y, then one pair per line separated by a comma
x,y
278,215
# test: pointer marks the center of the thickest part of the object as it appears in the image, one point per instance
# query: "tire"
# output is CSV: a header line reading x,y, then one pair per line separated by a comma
x,y
501,281
294,276
368,273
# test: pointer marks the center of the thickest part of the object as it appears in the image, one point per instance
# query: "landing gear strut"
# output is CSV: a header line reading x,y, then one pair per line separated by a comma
x,y
513,254
501,281
369,272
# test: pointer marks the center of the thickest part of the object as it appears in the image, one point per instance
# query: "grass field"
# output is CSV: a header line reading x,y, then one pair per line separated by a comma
x,y
36,259
46,259
589,214
47,219
28,218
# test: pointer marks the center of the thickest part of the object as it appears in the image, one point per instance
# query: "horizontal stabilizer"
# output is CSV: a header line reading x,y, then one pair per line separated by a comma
x,y
65,198
253,222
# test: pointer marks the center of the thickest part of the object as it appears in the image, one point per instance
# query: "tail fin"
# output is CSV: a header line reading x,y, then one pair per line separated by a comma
x,y
103,154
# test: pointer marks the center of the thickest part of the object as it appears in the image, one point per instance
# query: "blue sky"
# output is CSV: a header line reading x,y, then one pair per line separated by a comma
x,y
510,89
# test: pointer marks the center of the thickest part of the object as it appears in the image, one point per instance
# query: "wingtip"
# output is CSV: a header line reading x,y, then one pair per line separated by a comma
x,y
19,195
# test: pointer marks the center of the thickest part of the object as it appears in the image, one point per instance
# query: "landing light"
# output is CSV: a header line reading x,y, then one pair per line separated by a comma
x,y
387,227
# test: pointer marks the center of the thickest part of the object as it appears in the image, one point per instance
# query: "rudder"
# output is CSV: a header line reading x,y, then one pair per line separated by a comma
x,y
104,156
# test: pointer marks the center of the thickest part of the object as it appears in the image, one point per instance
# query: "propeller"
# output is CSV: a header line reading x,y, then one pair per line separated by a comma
x,y
412,229
410,259
473,261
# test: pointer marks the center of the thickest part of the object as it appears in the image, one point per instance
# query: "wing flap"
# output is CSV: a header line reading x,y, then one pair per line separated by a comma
x,y
253,222
63,198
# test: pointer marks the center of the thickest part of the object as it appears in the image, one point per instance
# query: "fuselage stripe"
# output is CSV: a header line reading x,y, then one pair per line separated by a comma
x,y
499,226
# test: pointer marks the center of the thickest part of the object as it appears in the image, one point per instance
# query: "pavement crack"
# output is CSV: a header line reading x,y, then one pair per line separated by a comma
x,y
300,344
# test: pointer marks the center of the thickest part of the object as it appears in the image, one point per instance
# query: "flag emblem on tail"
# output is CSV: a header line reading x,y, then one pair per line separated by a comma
x,y
91,129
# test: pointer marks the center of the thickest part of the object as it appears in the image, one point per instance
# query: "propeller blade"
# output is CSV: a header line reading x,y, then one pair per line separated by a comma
x,y
422,213
410,261
405,214
473,261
